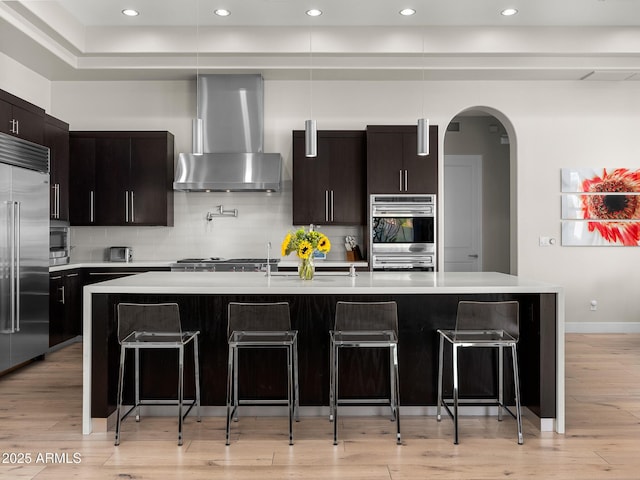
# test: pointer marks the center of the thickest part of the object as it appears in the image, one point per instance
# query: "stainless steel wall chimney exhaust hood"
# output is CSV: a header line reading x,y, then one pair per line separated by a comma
x,y
232,112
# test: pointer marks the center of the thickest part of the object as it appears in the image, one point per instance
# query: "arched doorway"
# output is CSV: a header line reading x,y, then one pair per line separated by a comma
x,y
479,193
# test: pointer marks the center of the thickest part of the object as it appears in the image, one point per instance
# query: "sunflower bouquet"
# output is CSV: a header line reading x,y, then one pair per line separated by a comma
x,y
304,243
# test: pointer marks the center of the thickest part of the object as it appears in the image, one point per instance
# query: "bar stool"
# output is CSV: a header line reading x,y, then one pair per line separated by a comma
x,y
364,325
261,325
482,325
154,326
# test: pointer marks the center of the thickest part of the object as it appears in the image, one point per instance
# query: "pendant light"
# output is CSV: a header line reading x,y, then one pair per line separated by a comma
x,y
197,126
310,126
423,123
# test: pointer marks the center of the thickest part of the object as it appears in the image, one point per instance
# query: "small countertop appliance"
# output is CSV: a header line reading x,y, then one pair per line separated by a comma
x,y
120,254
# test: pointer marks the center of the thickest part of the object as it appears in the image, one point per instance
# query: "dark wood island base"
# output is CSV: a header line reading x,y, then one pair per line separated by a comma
x,y
420,313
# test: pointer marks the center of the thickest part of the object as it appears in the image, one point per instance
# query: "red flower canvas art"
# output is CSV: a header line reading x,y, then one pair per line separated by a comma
x,y
610,203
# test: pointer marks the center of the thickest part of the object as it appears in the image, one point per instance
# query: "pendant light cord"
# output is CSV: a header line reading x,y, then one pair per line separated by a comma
x,y
422,84
197,59
310,72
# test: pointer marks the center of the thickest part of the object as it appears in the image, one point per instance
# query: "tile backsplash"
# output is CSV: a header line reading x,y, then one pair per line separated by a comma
x,y
262,218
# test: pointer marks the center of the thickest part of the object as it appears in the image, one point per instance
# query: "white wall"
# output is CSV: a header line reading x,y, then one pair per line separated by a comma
x,y
557,124
22,82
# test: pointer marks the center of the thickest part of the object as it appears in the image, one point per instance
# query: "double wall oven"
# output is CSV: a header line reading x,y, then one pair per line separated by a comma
x,y
402,232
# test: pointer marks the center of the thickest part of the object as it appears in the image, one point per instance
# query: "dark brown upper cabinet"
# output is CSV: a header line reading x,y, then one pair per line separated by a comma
x,y
56,137
330,189
393,165
121,178
21,118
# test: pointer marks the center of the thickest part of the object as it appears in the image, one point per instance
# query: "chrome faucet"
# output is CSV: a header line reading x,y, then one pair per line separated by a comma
x,y
352,270
268,269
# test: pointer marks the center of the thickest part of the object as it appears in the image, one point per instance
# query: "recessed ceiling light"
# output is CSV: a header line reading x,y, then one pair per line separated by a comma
x,y
222,12
407,12
314,12
129,12
508,12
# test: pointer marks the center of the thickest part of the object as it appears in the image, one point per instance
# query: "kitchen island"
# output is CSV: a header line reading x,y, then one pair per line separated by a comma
x,y
426,301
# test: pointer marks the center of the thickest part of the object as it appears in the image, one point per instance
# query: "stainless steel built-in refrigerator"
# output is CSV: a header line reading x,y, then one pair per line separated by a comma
x,y
24,251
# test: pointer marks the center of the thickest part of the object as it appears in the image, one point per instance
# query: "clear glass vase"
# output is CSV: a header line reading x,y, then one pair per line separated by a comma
x,y
306,268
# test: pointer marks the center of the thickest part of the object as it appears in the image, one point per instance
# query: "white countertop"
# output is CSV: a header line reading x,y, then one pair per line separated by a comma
x,y
142,264
322,283
167,263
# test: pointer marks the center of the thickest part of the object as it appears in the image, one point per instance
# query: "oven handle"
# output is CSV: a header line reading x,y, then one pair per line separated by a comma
x,y
416,259
378,212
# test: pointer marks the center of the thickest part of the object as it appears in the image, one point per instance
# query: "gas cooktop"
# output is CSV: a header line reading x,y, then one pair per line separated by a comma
x,y
217,264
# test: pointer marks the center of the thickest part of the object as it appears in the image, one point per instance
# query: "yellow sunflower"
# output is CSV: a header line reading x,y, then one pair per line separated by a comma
x,y
285,245
324,245
305,249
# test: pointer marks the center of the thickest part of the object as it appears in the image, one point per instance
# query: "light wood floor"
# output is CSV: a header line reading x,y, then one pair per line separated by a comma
x,y
40,414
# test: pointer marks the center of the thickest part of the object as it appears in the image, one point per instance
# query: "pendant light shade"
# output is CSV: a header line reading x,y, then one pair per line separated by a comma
x,y
310,138
198,136
423,137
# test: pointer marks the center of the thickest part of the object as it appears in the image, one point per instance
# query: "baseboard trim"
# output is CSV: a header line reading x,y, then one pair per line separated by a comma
x,y
602,327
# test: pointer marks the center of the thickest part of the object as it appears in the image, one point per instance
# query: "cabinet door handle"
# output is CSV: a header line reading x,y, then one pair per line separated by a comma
x,y
92,206
332,205
132,217
126,206
61,290
326,205
13,126
406,181
72,275
400,179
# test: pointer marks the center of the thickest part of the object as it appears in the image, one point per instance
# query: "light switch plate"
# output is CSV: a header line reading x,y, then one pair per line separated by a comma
x,y
547,241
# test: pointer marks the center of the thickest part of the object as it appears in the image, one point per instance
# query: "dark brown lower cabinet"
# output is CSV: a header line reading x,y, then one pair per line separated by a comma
x,y
65,306
65,297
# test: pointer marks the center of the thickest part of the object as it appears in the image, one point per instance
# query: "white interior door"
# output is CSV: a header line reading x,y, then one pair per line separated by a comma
x,y
462,213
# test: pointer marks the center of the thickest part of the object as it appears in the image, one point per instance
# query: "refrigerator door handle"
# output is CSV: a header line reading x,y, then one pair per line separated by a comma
x,y
17,263
13,285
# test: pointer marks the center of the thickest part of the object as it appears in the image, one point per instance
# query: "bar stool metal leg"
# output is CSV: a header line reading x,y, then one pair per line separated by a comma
x,y
137,382
296,389
392,389
291,399
335,394
440,361
119,401
516,381
500,382
331,377
196,364
180,391
455,394
230,390
396,390
236,401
